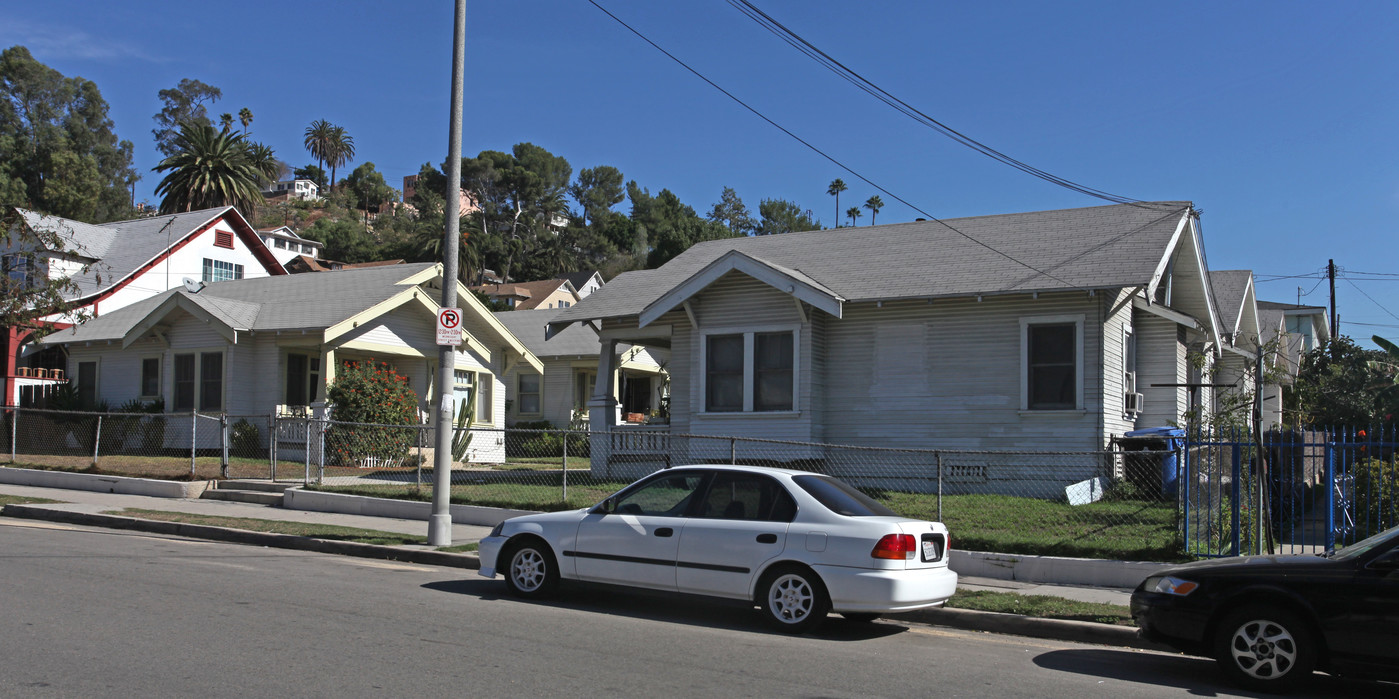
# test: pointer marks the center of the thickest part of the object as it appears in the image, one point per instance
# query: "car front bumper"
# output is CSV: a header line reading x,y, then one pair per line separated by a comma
x,y
885,591
489,551
1176,621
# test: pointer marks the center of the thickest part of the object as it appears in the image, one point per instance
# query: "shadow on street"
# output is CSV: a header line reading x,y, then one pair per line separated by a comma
x,y
1198,676
671,608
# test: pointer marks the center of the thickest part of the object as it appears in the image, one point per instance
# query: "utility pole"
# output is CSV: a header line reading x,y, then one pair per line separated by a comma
x,y
1331,274
440,526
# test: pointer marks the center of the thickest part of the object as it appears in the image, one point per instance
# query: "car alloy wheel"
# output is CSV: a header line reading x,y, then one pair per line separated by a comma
x,y
794,600
1263,648
530,570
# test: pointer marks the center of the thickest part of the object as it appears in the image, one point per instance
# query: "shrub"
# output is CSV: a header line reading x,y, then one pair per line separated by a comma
x,y
244,439
1376,496
372,393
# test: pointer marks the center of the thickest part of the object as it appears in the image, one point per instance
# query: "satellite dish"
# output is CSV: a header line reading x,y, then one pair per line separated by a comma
x,y
192,286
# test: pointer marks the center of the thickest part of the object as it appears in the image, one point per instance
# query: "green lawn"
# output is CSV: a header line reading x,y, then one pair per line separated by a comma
x,y
21,500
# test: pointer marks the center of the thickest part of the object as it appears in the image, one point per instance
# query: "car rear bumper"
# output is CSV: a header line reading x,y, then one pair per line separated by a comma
x,y
864,590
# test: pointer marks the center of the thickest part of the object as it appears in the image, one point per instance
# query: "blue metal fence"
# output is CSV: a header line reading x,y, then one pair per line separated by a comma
x,y
1291,492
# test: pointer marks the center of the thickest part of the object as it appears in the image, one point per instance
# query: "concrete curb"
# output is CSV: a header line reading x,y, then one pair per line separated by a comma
x,y
297,498
240,536
1034,627
102,484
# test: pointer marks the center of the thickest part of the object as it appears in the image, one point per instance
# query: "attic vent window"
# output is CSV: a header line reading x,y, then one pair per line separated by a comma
x,y
223,239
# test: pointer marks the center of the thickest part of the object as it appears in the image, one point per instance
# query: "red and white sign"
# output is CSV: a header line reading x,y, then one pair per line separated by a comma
x,y
449,326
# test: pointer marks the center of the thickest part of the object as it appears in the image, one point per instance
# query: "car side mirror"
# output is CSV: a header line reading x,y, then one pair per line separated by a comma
x,y
606,507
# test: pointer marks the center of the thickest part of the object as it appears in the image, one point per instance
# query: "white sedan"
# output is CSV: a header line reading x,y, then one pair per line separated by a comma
x,y
796,544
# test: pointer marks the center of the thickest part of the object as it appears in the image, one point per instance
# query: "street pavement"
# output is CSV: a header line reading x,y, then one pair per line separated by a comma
x,y
103,509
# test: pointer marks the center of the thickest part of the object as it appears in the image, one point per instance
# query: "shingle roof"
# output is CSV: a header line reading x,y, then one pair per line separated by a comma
x,y
120,247
575,340
1230,287
288,302
1092,248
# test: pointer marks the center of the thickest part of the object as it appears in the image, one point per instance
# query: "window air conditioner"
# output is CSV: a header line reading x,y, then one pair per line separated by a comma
x,y
1133,402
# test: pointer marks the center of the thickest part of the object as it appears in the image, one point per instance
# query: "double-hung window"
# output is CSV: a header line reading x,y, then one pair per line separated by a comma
x,y
220,271
198,381
528,394
1052,350
150,377
750,371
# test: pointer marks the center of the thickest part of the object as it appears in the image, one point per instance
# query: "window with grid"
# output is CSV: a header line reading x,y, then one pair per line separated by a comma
x,y
220,271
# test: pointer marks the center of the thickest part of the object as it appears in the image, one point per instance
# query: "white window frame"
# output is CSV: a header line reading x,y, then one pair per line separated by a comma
x,y
1129,370
748,372
212,268
520,393
1025,322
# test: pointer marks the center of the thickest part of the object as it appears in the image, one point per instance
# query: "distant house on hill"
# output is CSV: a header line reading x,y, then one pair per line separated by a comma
x,y
524,296
305,190
117,264
302,264
584,282
286,245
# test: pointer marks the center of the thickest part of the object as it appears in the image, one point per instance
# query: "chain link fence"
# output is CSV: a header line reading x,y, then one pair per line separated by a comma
x,y
1101,504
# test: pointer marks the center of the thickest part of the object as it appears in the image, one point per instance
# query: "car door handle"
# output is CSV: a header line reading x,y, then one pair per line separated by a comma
x,y
767,538
665,531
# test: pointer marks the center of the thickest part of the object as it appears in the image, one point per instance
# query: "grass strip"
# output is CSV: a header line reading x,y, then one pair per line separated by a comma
x,y
1042,606
315,531
21,500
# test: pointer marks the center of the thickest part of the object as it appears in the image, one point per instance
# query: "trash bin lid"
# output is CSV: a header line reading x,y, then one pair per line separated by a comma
x,y
1161,432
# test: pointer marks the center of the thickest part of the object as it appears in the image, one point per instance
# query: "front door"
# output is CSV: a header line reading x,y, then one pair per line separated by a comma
x,y
636,543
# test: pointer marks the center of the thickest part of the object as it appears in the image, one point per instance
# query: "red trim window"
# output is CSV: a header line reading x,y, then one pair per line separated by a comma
x,y
223,239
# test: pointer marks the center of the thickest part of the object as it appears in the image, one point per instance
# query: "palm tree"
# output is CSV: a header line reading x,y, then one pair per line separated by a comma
x,y
837,186
209,168
245,117
226,121
854,214
318,140
874,204
340,149
264,160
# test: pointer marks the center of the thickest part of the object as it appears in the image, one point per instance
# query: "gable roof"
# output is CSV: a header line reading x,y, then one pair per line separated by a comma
x,y
535,292
1233,290
121,249
576,340
1115,246
581,279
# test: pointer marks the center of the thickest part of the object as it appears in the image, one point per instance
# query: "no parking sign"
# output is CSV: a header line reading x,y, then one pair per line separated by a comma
x,y
449,326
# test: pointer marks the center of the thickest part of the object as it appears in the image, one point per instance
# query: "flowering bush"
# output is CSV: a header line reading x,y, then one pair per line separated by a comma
x,y
373,394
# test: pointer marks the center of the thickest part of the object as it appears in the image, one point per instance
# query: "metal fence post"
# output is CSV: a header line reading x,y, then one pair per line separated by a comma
x,y
193,439
14,435
422,433
272,444
306,479
1330,478
223,446
1183,505
938,455
320,451
566,435
96,440
1234,504
733,451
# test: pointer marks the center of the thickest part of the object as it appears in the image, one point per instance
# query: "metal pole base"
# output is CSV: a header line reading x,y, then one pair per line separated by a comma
x,y
439,532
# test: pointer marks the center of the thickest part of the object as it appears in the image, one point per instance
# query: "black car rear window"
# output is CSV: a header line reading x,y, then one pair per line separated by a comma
x,y
839,497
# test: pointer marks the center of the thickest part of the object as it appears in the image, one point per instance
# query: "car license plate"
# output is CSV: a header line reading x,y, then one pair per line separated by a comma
x,y
930,551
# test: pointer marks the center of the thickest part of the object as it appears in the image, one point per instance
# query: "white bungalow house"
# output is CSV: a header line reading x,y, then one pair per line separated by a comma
x,y
262,346
639,383
1052,330
305,190
286,245
1241,338
114,265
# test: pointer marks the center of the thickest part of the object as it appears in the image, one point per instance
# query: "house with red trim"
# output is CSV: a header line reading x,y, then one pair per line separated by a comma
x,y
114,265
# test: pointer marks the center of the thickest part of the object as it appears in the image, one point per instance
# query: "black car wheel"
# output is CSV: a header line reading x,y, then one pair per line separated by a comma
x,y
530,570
1265,649
793,599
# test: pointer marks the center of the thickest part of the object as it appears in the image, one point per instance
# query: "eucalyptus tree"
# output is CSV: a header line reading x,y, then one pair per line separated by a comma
x,y
209,168
874,204
184,103
837,186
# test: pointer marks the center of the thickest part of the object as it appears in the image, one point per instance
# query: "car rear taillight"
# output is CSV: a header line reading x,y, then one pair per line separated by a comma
x,y
897,547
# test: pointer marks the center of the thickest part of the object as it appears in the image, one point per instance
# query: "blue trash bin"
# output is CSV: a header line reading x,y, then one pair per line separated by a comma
x,y
1159,439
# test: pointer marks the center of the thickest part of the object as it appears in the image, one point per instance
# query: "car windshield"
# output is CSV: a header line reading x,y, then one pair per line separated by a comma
x,y
841,498
1359,548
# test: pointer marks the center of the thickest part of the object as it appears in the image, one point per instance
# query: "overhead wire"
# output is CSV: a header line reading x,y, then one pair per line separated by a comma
x,y
824,154
807,48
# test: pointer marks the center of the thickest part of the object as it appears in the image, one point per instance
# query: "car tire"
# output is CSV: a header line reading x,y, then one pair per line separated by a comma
x,y
531,571
860,617
793,599
1265,649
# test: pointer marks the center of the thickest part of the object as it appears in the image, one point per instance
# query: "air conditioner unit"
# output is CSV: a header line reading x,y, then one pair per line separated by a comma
x,y
1133,402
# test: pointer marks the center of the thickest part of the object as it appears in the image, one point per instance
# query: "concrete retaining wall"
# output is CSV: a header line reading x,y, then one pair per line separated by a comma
x,y
316,501
103,484
1053,570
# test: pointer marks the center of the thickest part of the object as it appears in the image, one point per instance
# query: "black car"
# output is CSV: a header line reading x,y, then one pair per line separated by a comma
x,y
1270,620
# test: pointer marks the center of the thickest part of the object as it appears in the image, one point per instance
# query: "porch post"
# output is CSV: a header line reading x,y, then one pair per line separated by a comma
x,y
602,408
327,373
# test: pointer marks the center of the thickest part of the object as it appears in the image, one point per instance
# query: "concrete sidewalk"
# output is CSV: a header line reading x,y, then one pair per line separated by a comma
x,y
103,510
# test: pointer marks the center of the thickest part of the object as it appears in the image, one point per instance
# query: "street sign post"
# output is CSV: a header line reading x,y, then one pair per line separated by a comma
x,y
449,326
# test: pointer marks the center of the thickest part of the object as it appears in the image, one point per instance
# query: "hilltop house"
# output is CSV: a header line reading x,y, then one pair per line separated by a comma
x,y
262,346
1052,330
117,264
524,296
286,245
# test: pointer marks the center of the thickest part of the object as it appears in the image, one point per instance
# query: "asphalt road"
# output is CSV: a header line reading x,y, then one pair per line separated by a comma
x,y
93,612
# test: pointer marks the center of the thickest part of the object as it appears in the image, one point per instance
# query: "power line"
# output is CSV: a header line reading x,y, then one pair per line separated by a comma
x,y
825,155
879,93
1372,300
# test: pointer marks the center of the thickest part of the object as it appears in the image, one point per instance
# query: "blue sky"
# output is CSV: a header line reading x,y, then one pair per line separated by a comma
x,y
1277,119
